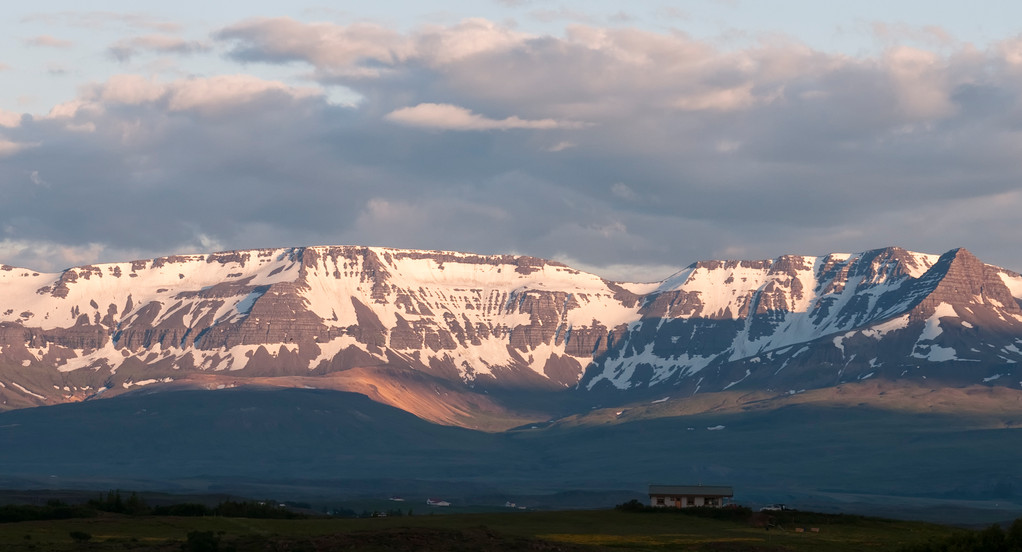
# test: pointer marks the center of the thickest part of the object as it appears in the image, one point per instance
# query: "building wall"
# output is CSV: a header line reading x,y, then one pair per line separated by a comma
x,y
684,501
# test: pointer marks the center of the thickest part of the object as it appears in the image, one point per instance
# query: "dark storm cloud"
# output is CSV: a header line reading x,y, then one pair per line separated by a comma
x,y
614,148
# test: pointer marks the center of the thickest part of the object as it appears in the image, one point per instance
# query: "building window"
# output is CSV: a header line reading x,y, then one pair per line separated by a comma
x,y
691,501
659,501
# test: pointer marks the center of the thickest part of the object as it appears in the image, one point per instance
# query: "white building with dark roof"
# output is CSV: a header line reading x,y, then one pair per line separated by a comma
x,y
688,496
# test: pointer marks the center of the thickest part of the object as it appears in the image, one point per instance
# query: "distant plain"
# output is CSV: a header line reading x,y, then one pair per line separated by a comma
x,y
324,446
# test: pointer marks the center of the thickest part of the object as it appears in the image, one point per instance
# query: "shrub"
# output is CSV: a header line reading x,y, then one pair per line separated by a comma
x,y
632,505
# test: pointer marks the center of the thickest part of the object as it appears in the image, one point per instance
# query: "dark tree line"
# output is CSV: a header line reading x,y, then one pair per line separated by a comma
x,y
134,505
53,509
731,512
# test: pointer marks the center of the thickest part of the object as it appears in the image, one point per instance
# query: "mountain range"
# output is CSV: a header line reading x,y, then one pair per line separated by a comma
x,y
406,326
888,378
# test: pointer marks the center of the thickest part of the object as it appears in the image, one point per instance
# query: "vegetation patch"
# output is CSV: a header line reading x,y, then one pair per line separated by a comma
x,y
122,523
991,539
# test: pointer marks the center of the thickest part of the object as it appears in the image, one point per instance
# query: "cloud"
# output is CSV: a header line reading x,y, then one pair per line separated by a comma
x,y
103,19
623,191
9,148
9,118
559,14
224,91
897,34
125,49
729,99
772,133
452,117
920,82
561,146
621,272
52,256
626,149
331,48
220,92
37,180
592,71
151,167
672,12
47,41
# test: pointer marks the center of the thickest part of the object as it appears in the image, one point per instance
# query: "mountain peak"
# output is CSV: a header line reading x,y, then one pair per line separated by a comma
x,y
959,277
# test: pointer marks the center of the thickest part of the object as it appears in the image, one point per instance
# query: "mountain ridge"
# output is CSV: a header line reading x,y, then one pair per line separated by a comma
x,y
473,328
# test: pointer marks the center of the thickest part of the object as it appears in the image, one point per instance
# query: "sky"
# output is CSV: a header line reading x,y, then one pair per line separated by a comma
x,y
628,139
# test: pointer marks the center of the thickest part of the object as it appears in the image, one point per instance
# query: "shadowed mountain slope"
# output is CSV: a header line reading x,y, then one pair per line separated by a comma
x,y
314,443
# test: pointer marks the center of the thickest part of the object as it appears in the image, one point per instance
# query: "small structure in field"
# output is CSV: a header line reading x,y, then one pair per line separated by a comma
x,y
688,496
436,502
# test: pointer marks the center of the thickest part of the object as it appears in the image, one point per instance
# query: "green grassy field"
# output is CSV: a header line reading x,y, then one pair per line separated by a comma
x,y
567,530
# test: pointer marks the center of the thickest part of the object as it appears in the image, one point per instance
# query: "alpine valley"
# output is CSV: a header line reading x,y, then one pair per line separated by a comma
x,y
885,378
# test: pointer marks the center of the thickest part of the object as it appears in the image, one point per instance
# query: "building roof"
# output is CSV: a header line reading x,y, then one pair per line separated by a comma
x,y
690,490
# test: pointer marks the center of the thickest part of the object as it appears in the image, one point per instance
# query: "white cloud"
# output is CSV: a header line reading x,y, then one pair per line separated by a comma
x,y
452,117
206,94
1010,51
730,99
47,41
226,90
921,82
9,119
444,45
332,48
128,89
37,180
590,72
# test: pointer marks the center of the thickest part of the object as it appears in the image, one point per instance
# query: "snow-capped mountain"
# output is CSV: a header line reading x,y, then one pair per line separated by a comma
x,y
471,323
805,322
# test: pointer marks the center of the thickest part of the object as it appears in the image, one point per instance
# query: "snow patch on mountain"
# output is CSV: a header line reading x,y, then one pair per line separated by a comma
x,y
878,331
932,328
1013,282
934,352
26,391
734,383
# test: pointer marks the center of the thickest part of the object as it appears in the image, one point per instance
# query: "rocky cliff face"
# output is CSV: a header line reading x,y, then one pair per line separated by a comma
x,y
475,322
